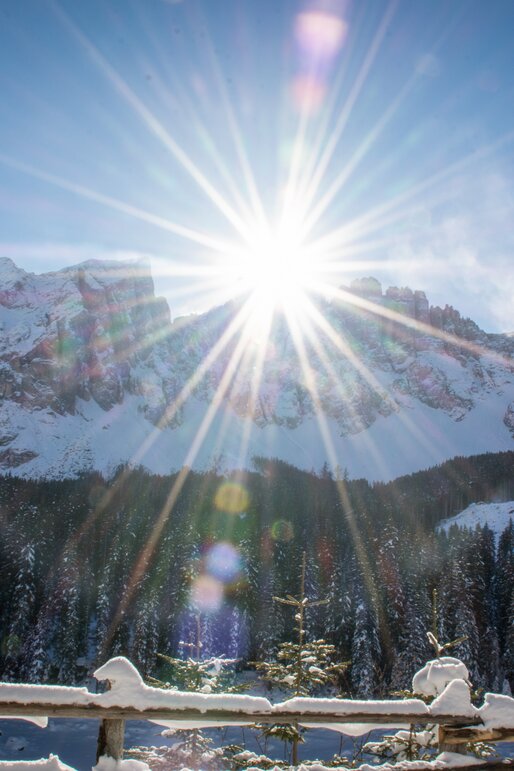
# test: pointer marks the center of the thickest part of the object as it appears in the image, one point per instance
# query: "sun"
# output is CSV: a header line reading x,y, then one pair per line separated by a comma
x,y
276,269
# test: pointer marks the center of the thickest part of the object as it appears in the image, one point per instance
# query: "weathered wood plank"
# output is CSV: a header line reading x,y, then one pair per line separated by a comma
x,y
458,735
165,713
445,743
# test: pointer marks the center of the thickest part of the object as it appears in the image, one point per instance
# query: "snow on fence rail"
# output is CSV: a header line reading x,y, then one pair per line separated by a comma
x,y
129,698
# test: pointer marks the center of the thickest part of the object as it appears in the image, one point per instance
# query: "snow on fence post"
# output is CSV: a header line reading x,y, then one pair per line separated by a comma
x,y
111,734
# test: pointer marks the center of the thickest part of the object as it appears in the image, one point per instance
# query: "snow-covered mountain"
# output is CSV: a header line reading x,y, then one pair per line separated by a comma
x,y
93,373
495,515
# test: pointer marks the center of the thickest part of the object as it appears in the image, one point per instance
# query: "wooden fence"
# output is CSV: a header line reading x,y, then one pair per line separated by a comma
x,y
455,732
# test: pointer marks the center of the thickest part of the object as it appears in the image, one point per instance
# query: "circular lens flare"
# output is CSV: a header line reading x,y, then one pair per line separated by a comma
x,y
206,594
282,531
231,498
223,562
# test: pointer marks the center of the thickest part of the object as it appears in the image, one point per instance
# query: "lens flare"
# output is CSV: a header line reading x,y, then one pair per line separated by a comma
x,y
320,35
282,531
223,562
308,93
232,498
206,594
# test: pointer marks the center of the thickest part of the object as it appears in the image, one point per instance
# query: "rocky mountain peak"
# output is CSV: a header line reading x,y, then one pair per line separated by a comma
x,y
92,373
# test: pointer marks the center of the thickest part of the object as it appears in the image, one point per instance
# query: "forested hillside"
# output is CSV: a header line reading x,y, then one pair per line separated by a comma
x,y
92,568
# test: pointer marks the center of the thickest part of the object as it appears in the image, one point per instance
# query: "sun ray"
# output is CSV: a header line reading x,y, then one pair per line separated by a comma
x,y
256,203
138,457
310,380
154,125
321,165
318,165
345,349
371,219
148,548
249,423
120,206
346,172
183,97
419,326
257,329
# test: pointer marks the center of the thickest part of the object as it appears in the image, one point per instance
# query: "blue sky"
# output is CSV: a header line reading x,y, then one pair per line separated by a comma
x,y
127,125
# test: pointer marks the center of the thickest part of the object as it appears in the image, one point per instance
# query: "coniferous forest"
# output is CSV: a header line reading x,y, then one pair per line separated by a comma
x,y
141,564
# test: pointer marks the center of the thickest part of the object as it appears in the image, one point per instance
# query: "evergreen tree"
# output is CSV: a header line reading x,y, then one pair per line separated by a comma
x,y
365,672
456,607
21,614
508,651
69,644
301,667
482,561
37,660
504,583
146,632
413,648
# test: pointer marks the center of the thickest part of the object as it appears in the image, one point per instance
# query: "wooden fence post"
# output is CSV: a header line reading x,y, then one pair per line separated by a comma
x,y
447,746
111,734
110,739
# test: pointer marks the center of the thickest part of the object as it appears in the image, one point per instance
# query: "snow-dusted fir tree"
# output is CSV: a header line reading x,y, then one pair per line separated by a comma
x,y
457,617
21,615
302,667
191,673
483,551
413,645
505,594
146,632
37,660
508,651
69,641
365,651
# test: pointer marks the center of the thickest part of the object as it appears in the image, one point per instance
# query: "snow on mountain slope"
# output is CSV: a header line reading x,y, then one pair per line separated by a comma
x,y
94,374
495,515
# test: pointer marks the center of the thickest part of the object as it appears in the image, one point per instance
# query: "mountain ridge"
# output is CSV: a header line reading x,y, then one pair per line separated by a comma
x,y
94,373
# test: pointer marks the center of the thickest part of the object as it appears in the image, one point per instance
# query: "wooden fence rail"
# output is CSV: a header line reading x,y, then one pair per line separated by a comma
x,y
18,701
454,731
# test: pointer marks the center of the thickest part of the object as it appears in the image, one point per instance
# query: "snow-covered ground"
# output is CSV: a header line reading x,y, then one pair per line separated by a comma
x,y
495,515
404,442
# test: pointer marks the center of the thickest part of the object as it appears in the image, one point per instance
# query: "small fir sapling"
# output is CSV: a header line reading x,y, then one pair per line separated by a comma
x,y
212,675
300,667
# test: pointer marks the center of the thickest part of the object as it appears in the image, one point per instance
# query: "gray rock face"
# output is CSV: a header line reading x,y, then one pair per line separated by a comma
x,y
77,333
508,418
95,334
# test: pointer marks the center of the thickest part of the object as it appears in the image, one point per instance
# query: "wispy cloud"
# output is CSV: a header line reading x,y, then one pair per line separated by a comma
x,y
462,253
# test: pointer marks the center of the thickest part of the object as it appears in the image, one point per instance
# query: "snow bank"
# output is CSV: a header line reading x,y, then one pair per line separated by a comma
x,y
51,763
129,690
443,761
454,700
41,722
110,764
497,711
456,759
44,694
306,706
433,678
